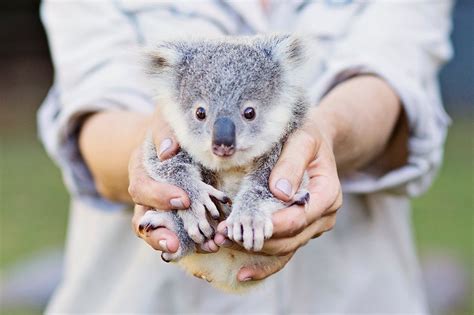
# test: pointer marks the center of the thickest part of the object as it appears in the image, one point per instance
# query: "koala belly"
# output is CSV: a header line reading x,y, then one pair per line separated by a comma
x,y
220,269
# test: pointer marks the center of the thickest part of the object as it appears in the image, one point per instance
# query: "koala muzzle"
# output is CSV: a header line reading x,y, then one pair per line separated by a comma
x,y
223,137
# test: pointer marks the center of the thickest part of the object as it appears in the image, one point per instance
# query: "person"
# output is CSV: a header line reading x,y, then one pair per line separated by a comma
x,y
378,124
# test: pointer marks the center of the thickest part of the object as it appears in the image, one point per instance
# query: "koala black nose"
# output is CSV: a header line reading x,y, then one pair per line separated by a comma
x,y
223,137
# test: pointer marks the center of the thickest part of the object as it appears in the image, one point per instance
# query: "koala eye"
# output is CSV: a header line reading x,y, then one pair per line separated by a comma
x,y
249,113
200,113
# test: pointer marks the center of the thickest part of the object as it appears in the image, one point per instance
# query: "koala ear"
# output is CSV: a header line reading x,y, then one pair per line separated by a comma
x,y
289,50
162,58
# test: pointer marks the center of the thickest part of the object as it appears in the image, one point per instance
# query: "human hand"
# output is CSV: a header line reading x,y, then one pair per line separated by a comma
x,y
309,149
149,194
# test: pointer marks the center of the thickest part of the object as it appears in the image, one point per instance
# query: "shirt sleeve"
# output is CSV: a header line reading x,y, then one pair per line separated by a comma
x,y
94,47
405,44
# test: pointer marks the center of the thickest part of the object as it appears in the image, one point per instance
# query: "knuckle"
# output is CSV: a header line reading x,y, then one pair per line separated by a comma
x,y
288,166
295,225
156,199
338,203
308,139
285,249
330,223
133,190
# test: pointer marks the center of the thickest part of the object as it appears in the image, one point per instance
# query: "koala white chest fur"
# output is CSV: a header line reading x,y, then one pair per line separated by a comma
x,y
232,102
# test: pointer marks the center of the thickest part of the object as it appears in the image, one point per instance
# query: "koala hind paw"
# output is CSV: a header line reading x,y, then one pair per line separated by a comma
x,y
153,219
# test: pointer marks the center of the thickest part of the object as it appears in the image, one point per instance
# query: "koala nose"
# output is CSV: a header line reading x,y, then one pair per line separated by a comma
x,y
223,137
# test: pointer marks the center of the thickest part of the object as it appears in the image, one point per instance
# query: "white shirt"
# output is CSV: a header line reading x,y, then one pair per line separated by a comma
x,y
366,264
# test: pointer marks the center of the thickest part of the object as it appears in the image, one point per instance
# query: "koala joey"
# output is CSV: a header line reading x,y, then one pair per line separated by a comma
x,y
232,102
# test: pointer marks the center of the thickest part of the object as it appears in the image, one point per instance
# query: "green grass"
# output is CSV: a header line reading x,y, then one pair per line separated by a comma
x,y
34,203
443,218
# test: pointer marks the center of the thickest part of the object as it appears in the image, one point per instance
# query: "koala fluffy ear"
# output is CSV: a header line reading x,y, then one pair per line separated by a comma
x,y
289,50
162,58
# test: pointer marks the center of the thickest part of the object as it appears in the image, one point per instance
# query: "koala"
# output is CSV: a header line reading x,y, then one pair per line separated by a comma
x,y
232,103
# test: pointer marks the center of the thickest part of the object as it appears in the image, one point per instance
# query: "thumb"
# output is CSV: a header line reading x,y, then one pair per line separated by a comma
x,y
258,272
299,150
163,136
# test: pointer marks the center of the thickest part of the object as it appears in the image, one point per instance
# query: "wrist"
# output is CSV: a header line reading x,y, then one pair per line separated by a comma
x,y
325,126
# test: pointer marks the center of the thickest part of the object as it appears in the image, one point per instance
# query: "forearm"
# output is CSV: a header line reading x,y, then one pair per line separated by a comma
x,y
106,142
361,118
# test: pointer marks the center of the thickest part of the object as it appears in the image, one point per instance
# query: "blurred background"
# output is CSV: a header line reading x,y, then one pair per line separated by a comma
x,y
34,203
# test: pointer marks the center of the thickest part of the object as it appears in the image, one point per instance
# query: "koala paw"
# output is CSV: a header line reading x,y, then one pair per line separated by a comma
x,y
155,219
195,219
250,228
301,198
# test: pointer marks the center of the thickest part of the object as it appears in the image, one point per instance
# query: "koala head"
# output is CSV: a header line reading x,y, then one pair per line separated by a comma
x,y
229,99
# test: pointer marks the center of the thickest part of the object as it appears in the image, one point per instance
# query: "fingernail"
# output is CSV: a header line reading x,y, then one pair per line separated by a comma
x,y
219,238
205,247
244,276
165,145
163,245
213,246
284,186
177,203
226,243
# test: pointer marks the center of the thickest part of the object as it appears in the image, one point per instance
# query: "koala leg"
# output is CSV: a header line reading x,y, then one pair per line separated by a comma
x,y
183,172
154,219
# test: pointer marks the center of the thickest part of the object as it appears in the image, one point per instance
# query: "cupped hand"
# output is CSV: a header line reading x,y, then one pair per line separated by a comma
x,y
149,194
310,150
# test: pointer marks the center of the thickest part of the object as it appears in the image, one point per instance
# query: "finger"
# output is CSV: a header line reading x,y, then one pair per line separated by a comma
x,y
163,137
326,196
221,240
297,153
148,192
160,239
166,146
261,272
283,246
208,247
289,221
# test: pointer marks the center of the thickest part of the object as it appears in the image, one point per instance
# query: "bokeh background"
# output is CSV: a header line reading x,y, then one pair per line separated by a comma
x,y
34,203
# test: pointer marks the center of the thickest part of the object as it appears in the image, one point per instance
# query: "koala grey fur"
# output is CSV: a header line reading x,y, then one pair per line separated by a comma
x,y
225,156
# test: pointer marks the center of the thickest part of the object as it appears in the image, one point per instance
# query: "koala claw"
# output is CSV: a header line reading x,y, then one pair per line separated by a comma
x,y
213,192
171,257
249,229
301,198
196,223
153,220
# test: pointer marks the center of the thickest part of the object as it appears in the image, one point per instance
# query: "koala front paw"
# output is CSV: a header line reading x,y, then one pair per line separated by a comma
x,y
250,227
195,219
154,219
